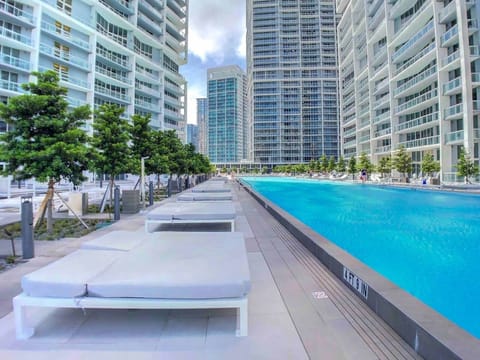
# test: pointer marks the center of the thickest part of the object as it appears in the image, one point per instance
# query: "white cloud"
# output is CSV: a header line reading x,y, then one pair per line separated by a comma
x,y
194,92
216,28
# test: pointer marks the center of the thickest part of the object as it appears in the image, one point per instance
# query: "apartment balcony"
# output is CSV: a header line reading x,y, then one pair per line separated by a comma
x,y
382,133
65,36
17,14
383,117
454,137
349,132
399,8
418,123
363,124
364,139
382,86
453,87
476,79
450,37
145,75
173,114
122,6
112,94
376,19
74,102
152,91
175,89
11,38
382,102
363,111
382,149
113,59
65,57
415,63
15,63
154,12
69,81
350,144
379,57
416,83
149,24
416,43
11,86
146,105
452,61
112,77
348,120
476,106
406,26
449,12
432,141
422,101
453,112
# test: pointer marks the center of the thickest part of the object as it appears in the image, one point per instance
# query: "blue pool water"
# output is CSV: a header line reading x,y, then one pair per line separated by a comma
x,y
426,242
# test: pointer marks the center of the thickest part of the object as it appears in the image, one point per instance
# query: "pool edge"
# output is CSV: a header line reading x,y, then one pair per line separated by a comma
x,y
429,333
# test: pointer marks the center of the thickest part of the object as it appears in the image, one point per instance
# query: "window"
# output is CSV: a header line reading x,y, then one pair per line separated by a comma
x,y
62,71
65,6
62,51
62,29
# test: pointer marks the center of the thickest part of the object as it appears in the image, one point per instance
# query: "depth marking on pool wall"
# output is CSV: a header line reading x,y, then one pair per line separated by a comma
x,y
357,283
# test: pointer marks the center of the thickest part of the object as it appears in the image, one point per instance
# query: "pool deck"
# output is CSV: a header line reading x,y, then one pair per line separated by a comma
x,y
297,310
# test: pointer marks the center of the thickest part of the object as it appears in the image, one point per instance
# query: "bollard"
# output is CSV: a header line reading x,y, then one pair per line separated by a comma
x,y
150,193
116,203
179,182
169,188
27,227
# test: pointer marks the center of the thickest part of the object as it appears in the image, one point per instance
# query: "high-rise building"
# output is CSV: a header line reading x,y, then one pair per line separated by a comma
x,y
410,76
202,107
107,51
192,135
292,80
227,115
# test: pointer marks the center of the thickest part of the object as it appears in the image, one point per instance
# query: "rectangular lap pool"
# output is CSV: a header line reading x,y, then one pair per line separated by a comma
x,y
426,242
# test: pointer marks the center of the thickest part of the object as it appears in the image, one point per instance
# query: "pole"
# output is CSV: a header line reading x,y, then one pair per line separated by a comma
x,y
150,193
27,227
142,180
116,203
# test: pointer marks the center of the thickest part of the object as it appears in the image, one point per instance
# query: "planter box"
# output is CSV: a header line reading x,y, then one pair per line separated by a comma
x,y
130,201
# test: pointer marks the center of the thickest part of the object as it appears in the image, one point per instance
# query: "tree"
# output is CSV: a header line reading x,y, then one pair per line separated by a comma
x,y
352,166
364,163
46,140
466,167
341,167
158,162
402,162
110,142
429,165
323,163
141,143
331,164
385,165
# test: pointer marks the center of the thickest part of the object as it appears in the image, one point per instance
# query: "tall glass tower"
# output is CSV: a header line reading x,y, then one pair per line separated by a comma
x,y
292,80
226,124
108,51
202,106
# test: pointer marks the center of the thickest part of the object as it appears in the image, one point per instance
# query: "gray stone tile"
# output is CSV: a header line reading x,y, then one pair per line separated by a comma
x,y
184,334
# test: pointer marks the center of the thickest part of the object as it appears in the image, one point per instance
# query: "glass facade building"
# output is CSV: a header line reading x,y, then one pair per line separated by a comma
x,y
227,115
192,135
108,51
202,113
410,76
292,80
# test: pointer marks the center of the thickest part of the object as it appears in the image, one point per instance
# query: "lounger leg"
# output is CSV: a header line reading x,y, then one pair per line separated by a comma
x,y
242,320
232,226
22,332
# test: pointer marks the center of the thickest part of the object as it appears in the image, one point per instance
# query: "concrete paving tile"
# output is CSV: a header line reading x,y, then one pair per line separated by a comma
x,y
251,245
242,225
184,334
258,267
264,298
121,326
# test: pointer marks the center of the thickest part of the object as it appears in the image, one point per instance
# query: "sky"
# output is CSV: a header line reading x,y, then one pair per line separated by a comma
x,y
216,37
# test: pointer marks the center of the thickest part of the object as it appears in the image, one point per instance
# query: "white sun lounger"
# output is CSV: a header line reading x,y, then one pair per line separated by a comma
x,y
204,196
175,270
192,213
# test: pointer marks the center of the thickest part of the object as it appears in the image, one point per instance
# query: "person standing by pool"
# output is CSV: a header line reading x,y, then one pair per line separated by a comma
x,y
363,177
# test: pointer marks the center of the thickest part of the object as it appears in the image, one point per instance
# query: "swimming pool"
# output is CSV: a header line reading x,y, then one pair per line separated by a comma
x,y
426,242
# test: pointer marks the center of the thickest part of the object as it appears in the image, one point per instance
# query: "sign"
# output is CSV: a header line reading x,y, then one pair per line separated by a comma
x,y
357,283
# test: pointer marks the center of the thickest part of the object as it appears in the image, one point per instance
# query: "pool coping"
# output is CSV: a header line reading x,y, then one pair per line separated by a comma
x,y
428,332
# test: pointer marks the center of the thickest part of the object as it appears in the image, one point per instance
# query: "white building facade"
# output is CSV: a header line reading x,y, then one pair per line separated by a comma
x,y
410,76
125,52
292,80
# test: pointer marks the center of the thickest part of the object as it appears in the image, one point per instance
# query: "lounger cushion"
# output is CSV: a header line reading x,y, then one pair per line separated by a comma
x,y
204,196
210,189
179,266
193,211
68,276
116,240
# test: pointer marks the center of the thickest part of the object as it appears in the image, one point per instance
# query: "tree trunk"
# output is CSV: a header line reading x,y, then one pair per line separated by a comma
x,y
50,193
111,192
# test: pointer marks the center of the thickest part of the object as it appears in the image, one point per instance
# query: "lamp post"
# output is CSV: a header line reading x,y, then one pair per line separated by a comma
x,y
142,179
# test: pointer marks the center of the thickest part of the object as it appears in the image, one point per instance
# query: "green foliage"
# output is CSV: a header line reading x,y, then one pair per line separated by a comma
x,y
110,140
385,165
364,163
331,164
341,166
141,137
352,165
323,163
429,165
466,167
402,162
45,141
